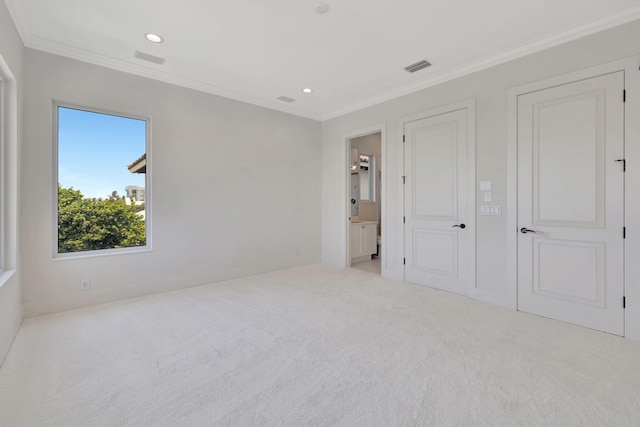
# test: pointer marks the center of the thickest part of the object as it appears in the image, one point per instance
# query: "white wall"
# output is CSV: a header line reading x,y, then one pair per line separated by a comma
x,y
255,173
489,88
11,54
253,176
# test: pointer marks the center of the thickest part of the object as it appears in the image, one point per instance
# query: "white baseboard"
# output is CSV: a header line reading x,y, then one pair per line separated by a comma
x,y
6,339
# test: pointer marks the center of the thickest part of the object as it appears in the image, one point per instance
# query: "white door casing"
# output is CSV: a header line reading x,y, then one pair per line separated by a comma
x,y
389,269
439,199
570,267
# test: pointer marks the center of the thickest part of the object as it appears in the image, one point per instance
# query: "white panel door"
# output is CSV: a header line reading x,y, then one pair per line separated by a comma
x,y
436,196
571,203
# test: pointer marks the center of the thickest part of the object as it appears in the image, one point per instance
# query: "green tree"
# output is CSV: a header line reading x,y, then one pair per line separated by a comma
x,y
138,208
86,224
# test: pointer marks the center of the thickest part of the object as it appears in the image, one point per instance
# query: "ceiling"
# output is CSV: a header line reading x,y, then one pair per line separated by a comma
x,y
353,56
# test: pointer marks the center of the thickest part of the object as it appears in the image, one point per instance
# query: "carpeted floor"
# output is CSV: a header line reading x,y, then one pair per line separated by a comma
x,y
317,346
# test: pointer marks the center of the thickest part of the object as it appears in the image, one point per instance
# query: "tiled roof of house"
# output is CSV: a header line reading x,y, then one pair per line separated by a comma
x,y
139,165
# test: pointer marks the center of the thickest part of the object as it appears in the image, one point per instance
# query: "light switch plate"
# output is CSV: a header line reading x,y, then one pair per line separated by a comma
x,y
491,210
485,185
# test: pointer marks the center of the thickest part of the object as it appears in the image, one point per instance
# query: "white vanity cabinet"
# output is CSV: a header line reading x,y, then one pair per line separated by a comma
x,y
363,240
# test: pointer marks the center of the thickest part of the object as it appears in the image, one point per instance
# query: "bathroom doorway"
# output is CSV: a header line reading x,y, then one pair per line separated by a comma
x,y
365,202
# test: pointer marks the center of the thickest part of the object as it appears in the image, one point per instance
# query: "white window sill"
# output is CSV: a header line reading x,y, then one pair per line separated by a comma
x,y
5,275
100,253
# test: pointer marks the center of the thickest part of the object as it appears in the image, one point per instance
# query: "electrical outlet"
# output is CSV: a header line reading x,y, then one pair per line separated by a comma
x,y
85,284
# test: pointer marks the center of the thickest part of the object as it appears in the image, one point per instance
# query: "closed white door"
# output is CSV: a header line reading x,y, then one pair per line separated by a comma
x,y
571,203
437,223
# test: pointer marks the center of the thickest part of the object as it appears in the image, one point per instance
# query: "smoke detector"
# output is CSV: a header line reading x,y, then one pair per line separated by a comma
x,y
321,8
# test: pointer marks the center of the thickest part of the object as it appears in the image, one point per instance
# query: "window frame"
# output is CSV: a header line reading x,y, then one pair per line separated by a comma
x,y
147,184
9,130
3,140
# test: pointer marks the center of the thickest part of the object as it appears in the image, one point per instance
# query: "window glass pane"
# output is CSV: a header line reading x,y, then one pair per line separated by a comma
x,y
101,181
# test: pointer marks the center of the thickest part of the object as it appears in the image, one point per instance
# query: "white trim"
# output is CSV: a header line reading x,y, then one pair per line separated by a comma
x,y
8,335
512,199
2,179
56,256
155,72
632,180
99,253
346,138
632,201
470,106
620,17
401,188
31,40
23,29
9,195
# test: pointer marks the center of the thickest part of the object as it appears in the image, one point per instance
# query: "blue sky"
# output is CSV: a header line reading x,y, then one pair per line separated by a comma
x,y
94,151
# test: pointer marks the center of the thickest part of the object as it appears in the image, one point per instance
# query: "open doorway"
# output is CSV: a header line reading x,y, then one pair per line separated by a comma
x,y
365,202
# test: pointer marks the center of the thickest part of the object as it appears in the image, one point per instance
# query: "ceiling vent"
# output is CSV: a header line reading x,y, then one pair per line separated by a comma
x,y
149,58
286,99
417,66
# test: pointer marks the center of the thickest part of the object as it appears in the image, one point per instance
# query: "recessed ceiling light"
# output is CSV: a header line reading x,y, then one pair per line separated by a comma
x,y
322,8
154,38
307,90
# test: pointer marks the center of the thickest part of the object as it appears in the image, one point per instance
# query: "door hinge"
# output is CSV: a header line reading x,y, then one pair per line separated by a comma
x,y
624,232
403,138
624,95
404,261
404,179
624,164
404,219
624,302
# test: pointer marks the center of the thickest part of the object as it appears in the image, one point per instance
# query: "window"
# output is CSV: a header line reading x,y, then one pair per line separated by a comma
x,y
8,172
102,180
2,169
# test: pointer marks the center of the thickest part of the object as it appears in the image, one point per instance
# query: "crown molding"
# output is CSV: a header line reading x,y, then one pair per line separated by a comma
x,y
155,73
620,17
33,41
23,29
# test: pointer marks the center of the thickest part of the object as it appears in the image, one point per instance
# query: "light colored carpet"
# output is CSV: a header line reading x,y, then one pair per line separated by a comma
x,y
314,345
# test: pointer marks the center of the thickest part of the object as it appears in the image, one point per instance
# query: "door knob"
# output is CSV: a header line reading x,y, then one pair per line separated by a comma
x,y
525,230
353,201
459,225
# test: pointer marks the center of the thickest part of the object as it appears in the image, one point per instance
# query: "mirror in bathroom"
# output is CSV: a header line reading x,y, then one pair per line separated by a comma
x,y
355,182
366,172
354,194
